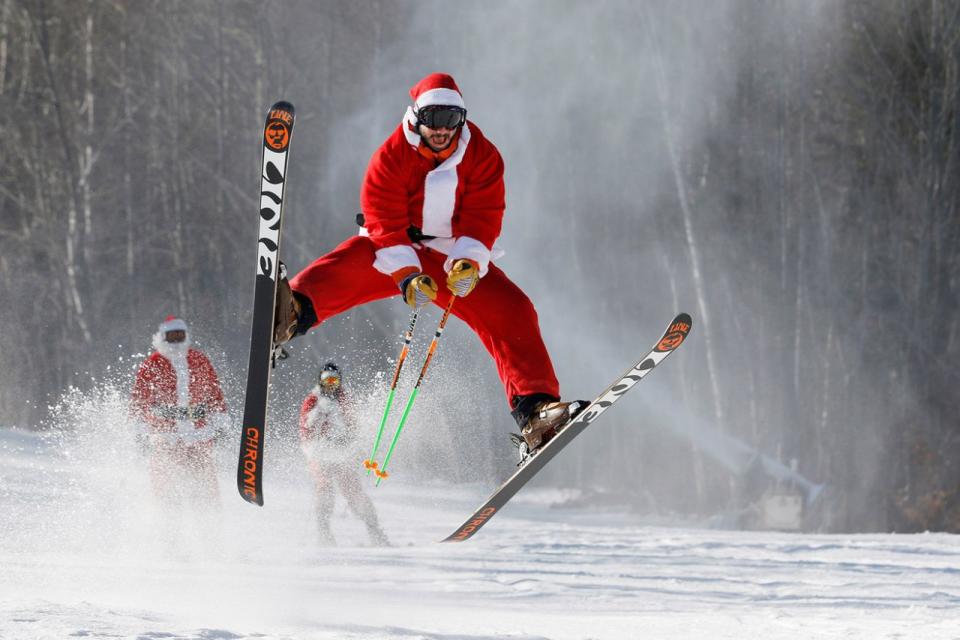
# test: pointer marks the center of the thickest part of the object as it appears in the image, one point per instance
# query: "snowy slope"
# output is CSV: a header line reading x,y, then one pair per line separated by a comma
x,y
84,552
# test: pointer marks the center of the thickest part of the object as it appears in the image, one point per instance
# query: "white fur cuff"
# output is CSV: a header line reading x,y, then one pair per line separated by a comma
x,y
390,259
440,96
467,247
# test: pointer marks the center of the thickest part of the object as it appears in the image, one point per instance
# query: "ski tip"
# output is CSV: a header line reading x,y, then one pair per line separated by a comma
x,y
277,130
676,333
252,499
283,105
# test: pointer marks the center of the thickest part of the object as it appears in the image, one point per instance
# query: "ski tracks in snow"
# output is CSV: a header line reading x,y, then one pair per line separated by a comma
x,y
100,569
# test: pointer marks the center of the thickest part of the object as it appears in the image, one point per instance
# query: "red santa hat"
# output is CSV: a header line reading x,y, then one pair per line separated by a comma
x,y
436,89
172,323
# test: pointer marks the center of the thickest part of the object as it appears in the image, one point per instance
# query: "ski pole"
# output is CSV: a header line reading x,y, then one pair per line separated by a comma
x,y
371,463
382,471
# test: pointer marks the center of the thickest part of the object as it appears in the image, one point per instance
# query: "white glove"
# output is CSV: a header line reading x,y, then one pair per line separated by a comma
x,y
159,439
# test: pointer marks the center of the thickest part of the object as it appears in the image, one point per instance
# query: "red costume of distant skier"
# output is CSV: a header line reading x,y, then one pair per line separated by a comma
x,y
433,204
178,404
328,439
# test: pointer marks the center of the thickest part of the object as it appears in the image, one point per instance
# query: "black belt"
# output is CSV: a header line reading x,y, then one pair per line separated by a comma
x,y
414,233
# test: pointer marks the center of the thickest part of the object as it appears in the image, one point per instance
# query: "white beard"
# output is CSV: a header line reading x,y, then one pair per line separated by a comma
x,y
171,350
176,353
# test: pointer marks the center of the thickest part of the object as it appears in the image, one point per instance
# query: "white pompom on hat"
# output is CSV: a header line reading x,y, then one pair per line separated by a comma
x,y
437,89
172,323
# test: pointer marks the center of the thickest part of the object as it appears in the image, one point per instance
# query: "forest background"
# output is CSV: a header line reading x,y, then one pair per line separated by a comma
x,y
787,172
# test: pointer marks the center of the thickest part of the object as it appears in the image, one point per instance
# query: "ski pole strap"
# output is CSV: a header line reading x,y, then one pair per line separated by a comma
x,y
371,462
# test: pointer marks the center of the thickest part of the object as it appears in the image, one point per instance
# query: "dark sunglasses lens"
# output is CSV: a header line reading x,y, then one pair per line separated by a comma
x,y
175,336
443,118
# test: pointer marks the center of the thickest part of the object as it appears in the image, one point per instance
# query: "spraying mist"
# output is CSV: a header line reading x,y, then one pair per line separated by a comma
x,y
781,171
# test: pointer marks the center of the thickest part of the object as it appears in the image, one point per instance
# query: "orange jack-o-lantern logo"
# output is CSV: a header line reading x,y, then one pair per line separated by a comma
x,y
674,336
277,135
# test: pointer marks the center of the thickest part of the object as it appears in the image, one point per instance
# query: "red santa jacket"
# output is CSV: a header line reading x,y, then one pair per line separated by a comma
x,y
325,418
461,201
155,387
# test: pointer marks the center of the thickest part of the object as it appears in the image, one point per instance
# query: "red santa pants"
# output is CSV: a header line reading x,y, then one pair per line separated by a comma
x,y
497,310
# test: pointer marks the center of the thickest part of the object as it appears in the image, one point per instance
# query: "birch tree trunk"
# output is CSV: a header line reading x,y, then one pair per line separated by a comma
x,y
71,240
86,163
4,37
688,227
696,456
125,72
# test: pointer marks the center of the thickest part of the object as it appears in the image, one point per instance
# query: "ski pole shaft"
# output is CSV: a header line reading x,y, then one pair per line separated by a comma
x,y
382,471
371,462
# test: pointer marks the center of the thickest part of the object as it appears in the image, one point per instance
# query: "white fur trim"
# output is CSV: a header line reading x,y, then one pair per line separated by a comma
x,y
176,353
409,126
439,199
182,370
472,249
440,191
390,259
446,245
174,324
440,96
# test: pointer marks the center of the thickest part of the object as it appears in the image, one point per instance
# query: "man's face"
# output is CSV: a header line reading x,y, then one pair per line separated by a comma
x,y
437,139
439,124
175,336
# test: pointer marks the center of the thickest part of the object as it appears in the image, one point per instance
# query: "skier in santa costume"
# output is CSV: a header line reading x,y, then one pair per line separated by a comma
x,y
328,439
178,406
433,203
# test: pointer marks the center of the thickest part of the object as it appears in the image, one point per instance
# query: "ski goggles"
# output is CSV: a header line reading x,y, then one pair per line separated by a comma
x,y
177,335
329,379
441,117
